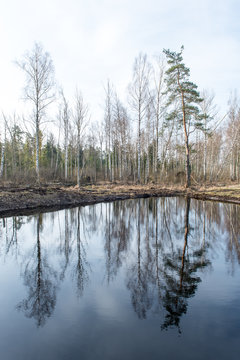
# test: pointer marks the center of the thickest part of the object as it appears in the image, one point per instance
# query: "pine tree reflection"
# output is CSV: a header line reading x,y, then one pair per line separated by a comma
x,y
166,278
41,280
180,277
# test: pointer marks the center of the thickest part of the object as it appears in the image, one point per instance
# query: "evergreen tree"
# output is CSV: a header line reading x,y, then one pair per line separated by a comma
x,y
183,100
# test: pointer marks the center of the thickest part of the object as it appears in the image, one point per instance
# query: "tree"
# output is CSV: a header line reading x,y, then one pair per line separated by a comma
x,y
121,131
157,101
80,115
108,126
184,100
64,116
15,132
232,137
39,71
209,112
139,98
3,148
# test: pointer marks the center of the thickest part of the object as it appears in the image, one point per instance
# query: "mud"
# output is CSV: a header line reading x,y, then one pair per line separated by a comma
x,y
32,199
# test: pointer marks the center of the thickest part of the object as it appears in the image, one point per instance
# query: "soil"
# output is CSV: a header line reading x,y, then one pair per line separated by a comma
x,y
31,199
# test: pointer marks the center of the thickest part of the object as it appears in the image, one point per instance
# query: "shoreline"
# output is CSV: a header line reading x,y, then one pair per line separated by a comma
x,y
33,199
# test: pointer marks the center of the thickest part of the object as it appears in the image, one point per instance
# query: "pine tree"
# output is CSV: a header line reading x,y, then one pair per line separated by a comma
x,y
183,101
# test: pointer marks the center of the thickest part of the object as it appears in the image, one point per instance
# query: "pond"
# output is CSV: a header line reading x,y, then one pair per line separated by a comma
x,y
135,279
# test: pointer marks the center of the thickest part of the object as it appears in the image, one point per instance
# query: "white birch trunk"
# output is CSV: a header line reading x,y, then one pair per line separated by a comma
x,y
37,149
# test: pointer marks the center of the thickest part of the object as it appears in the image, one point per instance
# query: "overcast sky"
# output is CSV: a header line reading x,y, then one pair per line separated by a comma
x,y
93,40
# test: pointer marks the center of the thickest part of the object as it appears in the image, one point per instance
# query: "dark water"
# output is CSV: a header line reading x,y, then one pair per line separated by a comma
x,y
137,279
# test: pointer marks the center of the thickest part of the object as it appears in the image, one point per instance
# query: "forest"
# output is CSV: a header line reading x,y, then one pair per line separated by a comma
x,y
167,132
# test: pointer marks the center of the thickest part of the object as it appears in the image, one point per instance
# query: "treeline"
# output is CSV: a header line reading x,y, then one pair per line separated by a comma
x,y
167,132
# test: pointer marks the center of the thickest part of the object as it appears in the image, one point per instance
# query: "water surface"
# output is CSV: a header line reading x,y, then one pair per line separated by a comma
x,y
134,279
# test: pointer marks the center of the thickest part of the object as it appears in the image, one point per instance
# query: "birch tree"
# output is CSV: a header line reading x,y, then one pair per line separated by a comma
x,y
80,120
157,101
209,111
121,128
231,153
139,99
108,126
3,148
38,68
65,118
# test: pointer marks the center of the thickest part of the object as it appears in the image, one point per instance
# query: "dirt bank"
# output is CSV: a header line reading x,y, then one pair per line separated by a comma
x,y
29,199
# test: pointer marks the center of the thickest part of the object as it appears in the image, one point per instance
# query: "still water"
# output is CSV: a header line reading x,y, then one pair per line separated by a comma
x,y
134,279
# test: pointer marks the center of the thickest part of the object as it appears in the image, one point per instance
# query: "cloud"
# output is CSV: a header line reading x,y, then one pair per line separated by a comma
x,y
98,39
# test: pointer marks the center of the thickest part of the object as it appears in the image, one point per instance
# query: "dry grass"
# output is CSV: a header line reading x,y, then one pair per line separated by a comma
x,y
121,189
51,195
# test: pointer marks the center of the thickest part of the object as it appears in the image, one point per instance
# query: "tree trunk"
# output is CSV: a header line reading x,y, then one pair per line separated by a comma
x,y
66,161
78,158
188,167
205,157
2,160
37,149
139,149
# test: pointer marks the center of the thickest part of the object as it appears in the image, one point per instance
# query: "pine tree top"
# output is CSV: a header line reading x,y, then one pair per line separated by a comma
x,y
181,90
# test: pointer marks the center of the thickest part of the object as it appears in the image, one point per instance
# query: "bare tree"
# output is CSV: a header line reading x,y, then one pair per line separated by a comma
x,y
39,71
157,101
65,118
209,111
80,120
3,148
121,130
232,137
139,98
108,126
148,138
100,135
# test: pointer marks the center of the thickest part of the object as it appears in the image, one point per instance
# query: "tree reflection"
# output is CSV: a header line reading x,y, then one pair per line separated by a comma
x,y
40,279
66,248
231,223
165,274
117,235
11,227
158,247
80,269
161,245
138,280
181,281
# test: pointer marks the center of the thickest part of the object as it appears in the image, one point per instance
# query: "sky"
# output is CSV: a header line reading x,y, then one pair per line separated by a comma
x,y
91,41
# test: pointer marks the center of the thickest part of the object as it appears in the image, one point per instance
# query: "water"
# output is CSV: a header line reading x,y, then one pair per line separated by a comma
x,y
135,279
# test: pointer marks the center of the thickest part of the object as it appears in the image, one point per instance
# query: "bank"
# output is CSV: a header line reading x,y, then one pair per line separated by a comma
x,y
22,200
